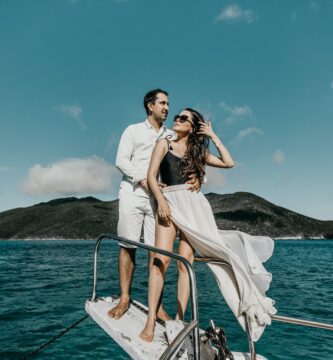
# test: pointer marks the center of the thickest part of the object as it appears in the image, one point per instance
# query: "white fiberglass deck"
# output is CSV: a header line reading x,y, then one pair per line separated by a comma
x,y
125,331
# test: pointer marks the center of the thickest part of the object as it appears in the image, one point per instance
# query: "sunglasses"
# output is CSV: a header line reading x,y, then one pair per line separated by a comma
x,y
182,119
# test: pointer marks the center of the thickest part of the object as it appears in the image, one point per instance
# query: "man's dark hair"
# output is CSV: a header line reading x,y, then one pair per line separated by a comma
x,y
151,97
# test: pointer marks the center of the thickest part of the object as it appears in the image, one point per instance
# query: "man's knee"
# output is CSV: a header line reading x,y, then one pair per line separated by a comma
x,y
127,254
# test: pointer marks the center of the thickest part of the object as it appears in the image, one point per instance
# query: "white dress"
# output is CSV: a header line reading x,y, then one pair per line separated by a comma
x,y
245,285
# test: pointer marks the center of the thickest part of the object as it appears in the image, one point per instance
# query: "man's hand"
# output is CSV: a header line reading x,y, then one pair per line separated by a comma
x,y
194,183
144,184
161,185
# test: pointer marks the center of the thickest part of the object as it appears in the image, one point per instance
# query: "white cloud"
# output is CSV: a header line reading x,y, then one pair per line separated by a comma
x,y
72,111
278,157
215,179
4,168
71,176
235,112
206,109
234,13
247,133
331,84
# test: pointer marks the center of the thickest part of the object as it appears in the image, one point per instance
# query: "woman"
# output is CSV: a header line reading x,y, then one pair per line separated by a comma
x,y
243,287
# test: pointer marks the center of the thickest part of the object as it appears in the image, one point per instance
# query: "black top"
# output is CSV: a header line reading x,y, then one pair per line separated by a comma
x,y
171,168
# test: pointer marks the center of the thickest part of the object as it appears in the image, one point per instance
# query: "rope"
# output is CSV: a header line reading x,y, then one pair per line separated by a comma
x,y
31,354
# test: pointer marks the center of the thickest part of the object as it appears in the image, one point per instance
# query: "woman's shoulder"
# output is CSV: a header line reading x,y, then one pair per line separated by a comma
x,y
163,142
162,145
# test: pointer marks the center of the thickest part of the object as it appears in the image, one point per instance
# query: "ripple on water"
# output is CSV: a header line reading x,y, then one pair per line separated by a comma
x,y
45,284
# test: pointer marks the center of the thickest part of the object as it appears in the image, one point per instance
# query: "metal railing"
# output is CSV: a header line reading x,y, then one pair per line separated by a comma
x,y
284,319
210,260
192,326
295,321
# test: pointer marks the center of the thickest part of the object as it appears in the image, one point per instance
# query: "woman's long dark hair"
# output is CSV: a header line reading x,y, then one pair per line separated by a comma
x,y
197,145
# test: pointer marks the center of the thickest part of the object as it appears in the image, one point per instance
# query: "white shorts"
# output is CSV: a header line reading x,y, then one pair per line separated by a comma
x,y
136,215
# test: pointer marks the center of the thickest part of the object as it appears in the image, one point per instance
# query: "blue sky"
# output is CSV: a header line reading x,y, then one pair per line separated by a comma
x,y
73,74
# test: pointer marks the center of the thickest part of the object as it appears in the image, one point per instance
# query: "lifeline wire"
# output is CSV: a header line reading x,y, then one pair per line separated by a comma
x,y
28,356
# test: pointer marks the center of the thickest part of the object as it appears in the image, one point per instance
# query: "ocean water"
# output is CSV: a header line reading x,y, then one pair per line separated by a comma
x,y
44,285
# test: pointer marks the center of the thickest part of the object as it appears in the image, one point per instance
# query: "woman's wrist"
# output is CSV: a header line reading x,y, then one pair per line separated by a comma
x,y
216,140
160,200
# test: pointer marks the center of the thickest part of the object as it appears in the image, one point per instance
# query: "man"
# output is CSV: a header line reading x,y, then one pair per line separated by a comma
x,y
136,205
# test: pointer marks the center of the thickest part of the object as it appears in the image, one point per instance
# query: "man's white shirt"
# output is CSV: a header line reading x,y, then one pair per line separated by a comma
x,y
134,152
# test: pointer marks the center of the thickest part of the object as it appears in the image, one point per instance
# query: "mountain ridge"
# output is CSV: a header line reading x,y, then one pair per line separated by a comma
x,y
86,218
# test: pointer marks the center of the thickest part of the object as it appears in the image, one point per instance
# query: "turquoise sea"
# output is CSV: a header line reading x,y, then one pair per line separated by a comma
x,y
44,285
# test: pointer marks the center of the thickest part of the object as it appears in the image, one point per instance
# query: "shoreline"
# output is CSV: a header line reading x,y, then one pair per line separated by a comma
x,y
299,238
282,238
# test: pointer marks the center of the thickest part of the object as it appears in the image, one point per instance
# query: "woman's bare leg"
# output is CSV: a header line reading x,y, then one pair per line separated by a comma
x,y
185,250
165,236
161,313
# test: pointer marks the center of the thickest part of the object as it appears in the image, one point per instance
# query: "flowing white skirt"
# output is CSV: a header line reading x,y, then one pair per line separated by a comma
x,y
244,286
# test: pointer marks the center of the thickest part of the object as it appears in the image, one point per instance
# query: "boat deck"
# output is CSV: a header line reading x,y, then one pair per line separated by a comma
x,y
125,331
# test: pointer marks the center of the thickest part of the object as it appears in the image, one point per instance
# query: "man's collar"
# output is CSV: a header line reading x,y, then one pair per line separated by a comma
x,y
150,126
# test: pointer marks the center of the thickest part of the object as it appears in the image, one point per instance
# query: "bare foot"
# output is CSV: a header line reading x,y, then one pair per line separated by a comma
x,y
119,310
147,334
162,315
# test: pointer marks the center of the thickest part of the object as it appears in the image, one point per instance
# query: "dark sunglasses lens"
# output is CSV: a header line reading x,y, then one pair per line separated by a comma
x,y
183,118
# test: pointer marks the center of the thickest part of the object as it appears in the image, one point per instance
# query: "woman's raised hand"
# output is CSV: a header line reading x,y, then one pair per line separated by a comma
x,y
206,129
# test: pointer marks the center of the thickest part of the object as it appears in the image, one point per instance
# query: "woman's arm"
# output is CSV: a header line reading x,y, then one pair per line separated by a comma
x,y
225,160
158,154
